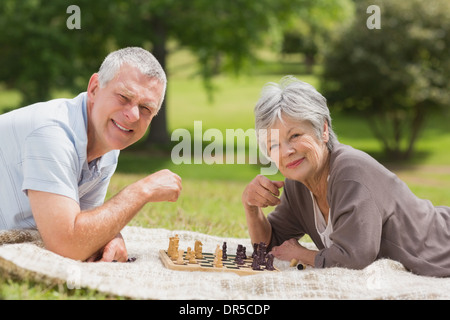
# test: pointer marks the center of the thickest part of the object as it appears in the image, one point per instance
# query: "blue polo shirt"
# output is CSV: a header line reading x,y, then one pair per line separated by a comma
x,y
43,147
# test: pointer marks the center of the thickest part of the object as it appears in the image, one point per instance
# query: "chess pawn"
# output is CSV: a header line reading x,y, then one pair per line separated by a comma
x,y
239,249
255,250
180,257
190,256
240,255
269,262
255,264
218,259
224,251
217,250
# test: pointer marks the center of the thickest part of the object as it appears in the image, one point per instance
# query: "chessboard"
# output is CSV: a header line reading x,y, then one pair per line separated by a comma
x,y
206,264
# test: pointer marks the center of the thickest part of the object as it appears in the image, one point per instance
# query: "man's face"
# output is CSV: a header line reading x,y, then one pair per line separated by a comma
x,y
120,113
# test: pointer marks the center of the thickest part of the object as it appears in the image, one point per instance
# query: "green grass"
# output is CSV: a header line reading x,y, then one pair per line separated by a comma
x,y
211,198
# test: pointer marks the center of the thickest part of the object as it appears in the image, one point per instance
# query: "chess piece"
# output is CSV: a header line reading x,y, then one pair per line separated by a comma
x,y
176,241
198,249
255,250
261,254
180,259
293,263
301,266
240,255
172,251
269,262
244,254
217,250
224,251
239,261
218,259
255,264
239,249
190,256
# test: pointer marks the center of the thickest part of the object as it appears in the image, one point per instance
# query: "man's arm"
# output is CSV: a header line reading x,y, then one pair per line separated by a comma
x,y
76,234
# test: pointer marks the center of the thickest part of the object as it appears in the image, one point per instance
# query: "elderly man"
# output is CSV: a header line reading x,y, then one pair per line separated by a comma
x,y
57,158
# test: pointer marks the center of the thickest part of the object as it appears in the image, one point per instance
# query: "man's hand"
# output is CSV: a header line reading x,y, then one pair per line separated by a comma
x,y
163,185
115,250
262,192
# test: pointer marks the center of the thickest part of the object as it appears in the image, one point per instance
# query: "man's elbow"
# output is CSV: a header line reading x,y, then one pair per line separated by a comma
x,y
68,249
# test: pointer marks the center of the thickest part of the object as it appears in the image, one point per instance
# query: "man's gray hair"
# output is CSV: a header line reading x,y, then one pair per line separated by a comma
x,y
136,57
296,100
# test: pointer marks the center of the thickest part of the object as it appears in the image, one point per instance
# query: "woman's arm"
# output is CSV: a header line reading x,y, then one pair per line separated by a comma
x,y
357,227
260,193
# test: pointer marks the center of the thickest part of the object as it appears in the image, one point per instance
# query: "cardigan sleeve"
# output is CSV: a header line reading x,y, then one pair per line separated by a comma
x,y
357,227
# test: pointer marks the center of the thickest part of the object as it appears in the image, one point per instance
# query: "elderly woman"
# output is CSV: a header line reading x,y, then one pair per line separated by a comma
x,y
353,208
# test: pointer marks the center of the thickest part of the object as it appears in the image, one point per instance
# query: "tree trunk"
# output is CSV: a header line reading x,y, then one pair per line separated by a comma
x,y
158,135
417,124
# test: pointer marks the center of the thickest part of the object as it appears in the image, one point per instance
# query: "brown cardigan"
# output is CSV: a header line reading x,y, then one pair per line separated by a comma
x,y
374,215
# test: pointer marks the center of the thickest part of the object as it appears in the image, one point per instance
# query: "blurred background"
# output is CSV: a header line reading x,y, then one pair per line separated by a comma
x,y
387,88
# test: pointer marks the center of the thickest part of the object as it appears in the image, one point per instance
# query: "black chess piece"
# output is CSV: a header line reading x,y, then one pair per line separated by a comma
x,y
224,251
255,265
269,262
240,255
261,254
255,250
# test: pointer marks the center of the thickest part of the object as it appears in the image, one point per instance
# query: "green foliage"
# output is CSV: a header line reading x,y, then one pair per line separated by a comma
x,y
397,75
309,30
40,54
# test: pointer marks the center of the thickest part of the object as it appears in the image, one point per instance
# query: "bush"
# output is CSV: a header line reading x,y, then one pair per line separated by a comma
x,y
396,75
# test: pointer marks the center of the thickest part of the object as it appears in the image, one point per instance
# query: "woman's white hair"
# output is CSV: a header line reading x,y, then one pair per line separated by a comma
x,y
296,100
136,57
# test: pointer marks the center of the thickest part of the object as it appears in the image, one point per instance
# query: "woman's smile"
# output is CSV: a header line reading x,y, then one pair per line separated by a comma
x,y
295,164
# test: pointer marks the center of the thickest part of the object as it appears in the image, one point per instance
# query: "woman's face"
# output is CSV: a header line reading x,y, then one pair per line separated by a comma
x,y
296,150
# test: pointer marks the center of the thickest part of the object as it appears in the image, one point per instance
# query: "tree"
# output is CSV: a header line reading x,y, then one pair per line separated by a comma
x,y
309,30
396,75
229,29
40,53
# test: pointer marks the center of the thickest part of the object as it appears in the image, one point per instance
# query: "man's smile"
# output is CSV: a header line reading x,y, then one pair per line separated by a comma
x,y
121,127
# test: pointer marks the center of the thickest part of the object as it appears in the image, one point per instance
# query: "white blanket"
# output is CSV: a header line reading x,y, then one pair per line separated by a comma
x,y
147,278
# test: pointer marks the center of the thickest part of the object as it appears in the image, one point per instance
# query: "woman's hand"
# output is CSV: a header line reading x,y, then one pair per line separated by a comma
x,y
262,192
291,249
